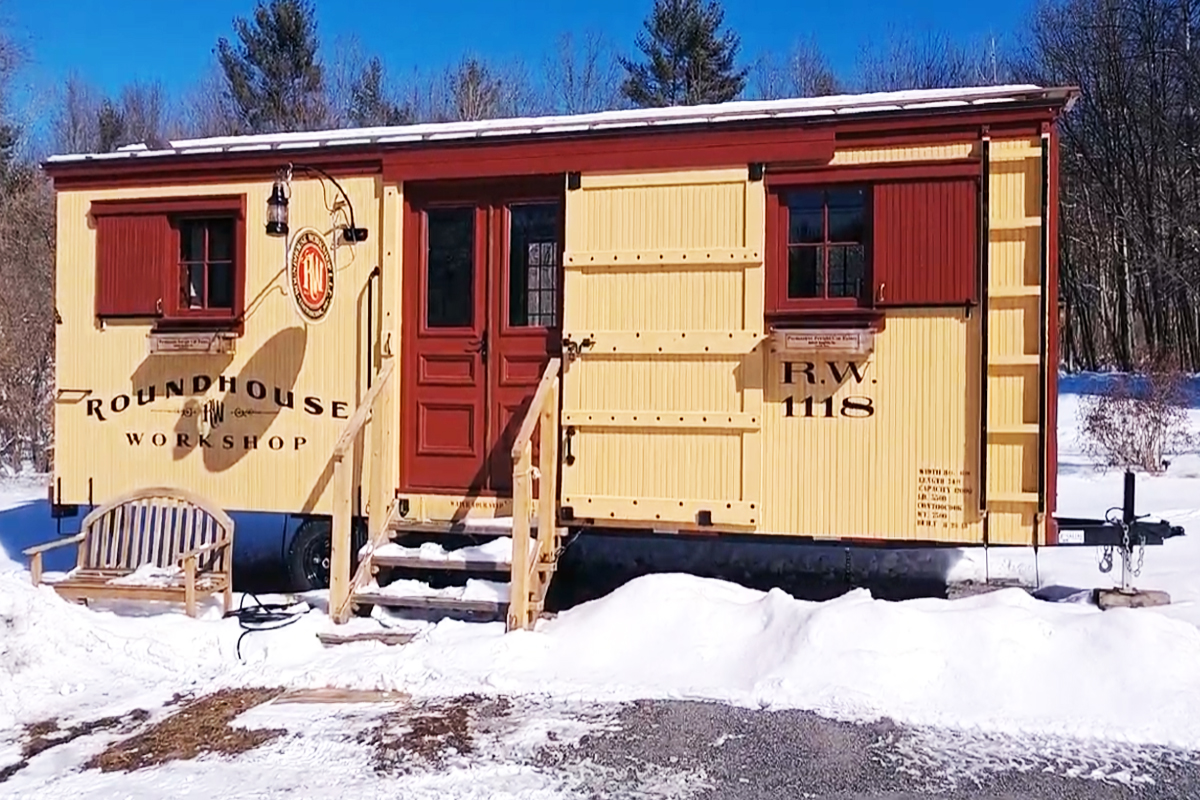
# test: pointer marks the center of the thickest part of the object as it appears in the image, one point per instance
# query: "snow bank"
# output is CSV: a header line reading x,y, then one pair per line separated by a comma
x,y
57,657
1002,662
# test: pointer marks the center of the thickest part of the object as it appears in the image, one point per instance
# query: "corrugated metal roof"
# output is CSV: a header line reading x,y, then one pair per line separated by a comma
x,y
736,111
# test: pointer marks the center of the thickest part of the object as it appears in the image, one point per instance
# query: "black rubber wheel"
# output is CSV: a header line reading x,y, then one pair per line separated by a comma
x,y
309,553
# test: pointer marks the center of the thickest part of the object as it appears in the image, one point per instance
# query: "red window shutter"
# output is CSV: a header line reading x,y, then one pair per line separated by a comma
x,y
134,253
924,242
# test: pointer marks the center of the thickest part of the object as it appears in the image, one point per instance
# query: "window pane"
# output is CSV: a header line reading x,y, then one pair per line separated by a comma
x,y
220,240
533,265
847,271
805,277
191,241
450,268
194,286
220,285
806,218
847,208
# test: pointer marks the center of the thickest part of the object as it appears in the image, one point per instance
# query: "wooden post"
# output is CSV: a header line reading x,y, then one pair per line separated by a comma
x,y
189,585
35,568
548,489
377,506
340,543
518,601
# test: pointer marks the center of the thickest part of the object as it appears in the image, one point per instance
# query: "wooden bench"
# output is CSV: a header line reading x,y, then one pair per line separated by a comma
x,y
183,537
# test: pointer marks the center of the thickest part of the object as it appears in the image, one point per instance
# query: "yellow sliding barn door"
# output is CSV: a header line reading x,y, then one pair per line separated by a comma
x,y
662,402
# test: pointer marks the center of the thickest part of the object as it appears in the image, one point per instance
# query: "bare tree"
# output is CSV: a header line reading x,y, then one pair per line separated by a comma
x,y
86,121
1130,175
26,319
933,60
582,74
803,72
206,110
146,112
472,89
74,124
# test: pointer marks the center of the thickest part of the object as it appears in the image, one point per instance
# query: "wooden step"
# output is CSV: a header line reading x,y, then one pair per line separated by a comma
x,y
431,602
387,637
418,563
500,527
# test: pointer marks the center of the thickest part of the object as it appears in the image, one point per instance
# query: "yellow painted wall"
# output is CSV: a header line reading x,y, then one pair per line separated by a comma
x,y
286,470
683,403
664,275
889,451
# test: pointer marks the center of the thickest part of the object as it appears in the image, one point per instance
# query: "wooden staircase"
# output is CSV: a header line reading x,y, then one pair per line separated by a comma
x,y
432,567
483,569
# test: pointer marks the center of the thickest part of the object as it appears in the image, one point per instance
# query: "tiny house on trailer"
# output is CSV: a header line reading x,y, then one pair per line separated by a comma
x,y
829,318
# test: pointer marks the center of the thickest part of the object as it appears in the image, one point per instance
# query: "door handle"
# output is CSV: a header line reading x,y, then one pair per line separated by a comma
x,y
879,293
568,456
480,346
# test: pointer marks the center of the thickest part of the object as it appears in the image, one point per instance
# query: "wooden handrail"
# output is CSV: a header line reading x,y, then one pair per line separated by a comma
x,y
525,435
360,415
525,605
340,537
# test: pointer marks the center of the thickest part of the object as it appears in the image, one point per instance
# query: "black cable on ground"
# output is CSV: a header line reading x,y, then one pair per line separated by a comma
x,y
264,617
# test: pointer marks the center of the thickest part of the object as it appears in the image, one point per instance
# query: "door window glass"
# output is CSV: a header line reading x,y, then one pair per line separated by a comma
x,y
533,265
450,268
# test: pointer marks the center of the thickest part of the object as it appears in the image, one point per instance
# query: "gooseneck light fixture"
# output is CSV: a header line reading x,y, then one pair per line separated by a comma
x,y
277,204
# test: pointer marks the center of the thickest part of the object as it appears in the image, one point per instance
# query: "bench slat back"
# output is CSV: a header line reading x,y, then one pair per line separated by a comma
x,y
154,526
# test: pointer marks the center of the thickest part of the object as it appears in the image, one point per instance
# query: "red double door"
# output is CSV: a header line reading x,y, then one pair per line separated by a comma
x,y
482,317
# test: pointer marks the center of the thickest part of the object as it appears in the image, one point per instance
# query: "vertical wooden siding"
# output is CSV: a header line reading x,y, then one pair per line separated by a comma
x,y
131,253
665,425
920,152
327,361
907,471
924,243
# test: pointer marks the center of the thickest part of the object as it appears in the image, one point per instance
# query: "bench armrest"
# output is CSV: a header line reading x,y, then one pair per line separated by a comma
x,y
41,548
199,551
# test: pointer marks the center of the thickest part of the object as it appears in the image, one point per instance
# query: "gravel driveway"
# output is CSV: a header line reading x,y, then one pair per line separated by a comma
x,y
723,752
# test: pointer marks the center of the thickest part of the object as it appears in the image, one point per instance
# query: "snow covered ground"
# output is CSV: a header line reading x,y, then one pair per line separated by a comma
x,y
991,665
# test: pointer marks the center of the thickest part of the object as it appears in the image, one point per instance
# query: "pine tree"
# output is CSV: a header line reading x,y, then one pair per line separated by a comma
x,y
370,103
688,59
274,78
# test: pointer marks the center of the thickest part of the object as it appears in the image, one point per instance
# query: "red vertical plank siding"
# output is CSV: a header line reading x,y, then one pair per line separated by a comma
x,y
924,236
133,259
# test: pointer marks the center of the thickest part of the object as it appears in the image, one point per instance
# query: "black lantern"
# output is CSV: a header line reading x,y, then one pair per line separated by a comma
x,y
277,211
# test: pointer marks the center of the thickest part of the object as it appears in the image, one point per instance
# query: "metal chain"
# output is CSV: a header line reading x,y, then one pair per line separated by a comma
x,y
1141,555
1106,561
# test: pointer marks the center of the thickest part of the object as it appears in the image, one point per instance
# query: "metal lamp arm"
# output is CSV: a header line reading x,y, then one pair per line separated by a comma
x,y
333,180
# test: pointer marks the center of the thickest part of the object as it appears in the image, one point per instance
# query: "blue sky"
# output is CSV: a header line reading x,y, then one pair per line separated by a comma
x,y
111,42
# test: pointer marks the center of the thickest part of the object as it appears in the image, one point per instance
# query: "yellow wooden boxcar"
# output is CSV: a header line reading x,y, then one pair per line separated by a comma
x,y
831,318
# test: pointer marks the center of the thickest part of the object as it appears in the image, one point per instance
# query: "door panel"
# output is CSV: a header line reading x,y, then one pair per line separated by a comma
x,y
525,312
484,323
447,445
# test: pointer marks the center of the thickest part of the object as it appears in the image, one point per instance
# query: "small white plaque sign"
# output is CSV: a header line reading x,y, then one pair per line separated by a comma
x,y
190,343
827,340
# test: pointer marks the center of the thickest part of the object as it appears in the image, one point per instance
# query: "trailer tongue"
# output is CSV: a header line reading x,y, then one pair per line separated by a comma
x,y
1124,533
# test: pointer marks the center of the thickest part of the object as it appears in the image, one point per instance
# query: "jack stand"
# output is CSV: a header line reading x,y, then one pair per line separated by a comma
x,y
1127,596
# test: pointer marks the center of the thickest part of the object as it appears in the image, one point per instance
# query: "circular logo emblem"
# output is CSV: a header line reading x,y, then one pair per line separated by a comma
x,y
311,272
